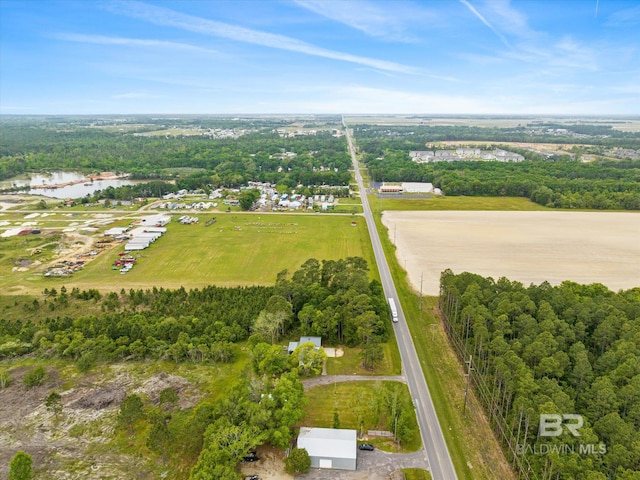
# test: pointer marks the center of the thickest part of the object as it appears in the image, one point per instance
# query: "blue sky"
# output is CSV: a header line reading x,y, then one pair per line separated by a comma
x,y
577,57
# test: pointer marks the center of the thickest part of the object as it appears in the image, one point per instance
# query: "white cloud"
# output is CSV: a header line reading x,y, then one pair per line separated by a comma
x,y
498,34
365,16
129,42
166,17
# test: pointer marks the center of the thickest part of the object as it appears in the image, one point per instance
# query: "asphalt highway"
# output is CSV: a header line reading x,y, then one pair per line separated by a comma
x,y
438,456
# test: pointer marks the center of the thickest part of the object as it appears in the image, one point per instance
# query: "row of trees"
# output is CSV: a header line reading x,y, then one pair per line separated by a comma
x,y
570,349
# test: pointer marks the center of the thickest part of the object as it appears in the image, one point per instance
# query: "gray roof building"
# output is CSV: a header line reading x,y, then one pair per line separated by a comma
x,y
330,447
317,341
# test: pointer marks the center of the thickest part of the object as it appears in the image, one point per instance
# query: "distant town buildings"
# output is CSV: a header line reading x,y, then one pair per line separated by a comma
x,y
410,187
464,154
625,153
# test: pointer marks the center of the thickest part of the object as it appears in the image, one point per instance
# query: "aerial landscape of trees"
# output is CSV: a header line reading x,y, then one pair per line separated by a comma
x,y
254,154
333,299
535,349
559,182
568,349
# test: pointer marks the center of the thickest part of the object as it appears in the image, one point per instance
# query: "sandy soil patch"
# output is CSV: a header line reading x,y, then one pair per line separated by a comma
x,y
531,247
269,467
58,444
333,352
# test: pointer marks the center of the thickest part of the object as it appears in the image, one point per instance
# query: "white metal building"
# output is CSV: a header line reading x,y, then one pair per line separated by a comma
x,y
330,447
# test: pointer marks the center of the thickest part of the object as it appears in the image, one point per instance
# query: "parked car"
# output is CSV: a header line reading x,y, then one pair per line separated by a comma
x,y
366,446
252,456
252,477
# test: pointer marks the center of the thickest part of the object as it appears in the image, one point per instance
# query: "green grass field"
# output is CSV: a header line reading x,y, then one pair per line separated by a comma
x,y
351,362
416,474
239,249
456,203
350,397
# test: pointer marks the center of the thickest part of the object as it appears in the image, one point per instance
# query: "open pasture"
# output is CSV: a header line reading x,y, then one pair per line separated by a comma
x,y
455,203
531,247
238,249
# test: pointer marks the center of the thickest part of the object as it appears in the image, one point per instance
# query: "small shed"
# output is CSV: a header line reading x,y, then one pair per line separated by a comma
x,y
330,447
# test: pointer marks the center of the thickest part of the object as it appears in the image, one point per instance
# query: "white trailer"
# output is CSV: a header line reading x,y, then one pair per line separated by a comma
x,y
394,310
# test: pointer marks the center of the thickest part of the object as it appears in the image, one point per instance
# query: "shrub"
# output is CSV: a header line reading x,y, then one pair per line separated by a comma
x,y
298,461
34,377
5,379
20,466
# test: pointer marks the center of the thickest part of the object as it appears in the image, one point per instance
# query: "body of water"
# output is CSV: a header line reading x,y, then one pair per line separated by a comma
x,y
64,184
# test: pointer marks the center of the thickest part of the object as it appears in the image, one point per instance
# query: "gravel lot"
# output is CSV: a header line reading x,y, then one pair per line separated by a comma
x,y
376,465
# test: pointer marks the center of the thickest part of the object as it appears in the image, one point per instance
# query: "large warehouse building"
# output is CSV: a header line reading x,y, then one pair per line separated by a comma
x,y
330,447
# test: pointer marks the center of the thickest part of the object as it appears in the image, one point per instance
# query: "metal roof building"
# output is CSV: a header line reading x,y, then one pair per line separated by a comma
x,y
330,447
317,341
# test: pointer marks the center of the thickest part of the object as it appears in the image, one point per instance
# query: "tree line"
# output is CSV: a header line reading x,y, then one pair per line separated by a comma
x,y
554,350
552,183
333,299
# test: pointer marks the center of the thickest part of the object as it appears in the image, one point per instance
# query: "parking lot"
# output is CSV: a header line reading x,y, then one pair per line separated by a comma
x,y
376,465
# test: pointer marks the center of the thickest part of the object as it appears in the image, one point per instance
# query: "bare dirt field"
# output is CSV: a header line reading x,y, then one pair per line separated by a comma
x,y
531,247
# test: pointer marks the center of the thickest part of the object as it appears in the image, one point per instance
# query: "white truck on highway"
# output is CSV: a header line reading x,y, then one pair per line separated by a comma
x,y
394,310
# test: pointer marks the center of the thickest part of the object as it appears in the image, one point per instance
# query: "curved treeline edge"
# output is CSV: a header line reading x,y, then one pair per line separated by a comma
x,y
567,349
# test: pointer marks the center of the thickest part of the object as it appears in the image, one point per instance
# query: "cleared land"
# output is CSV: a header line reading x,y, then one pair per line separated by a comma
x,y
531,247
238,249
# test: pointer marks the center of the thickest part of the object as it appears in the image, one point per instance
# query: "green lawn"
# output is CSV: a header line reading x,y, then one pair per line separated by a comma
x,y
239,249
351,362
363,398
416,474
456,203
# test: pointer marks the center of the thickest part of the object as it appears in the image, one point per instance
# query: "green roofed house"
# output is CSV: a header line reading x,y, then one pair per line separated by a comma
x,y
330,447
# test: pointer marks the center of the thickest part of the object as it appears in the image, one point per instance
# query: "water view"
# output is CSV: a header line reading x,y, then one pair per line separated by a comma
x,y
67,184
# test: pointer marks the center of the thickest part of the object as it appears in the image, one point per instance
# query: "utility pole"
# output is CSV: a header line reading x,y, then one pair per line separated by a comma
x,y
466,388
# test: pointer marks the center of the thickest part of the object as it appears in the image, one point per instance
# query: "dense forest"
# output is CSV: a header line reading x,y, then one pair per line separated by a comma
x,y
570,349
255,155
553,183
